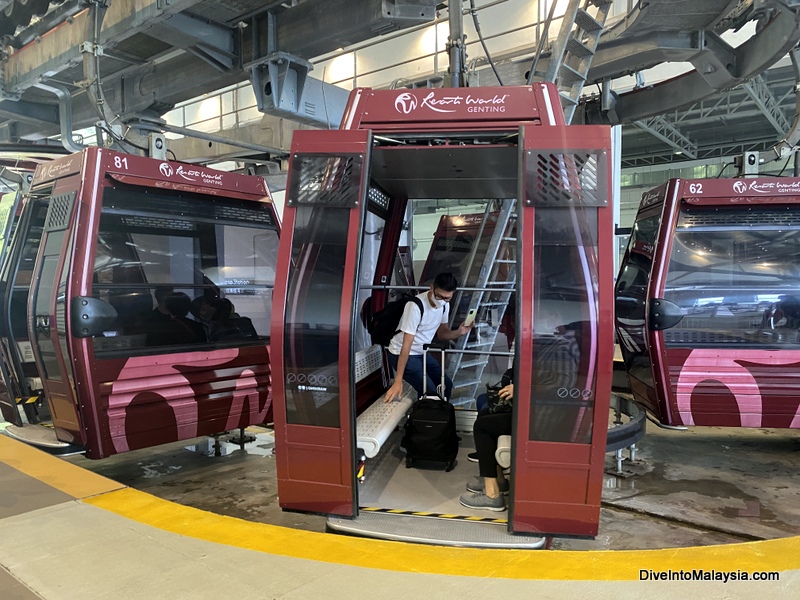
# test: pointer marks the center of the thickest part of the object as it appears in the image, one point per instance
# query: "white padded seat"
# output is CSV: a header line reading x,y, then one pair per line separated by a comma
x,y
503,453
375,425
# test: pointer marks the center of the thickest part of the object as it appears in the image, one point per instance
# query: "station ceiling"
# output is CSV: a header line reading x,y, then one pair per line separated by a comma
x,y
153,54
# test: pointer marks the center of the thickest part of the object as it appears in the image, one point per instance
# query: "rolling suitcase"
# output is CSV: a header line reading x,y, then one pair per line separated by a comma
x,y
430,431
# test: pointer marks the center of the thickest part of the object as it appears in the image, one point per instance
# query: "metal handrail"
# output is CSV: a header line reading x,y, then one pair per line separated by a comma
x,y
387,288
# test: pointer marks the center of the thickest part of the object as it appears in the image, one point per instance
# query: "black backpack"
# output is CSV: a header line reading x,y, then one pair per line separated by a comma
x,y
430,433
382,325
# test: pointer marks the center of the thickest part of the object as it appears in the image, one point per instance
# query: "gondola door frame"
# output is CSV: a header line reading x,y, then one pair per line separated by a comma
x,y
329,171
557,475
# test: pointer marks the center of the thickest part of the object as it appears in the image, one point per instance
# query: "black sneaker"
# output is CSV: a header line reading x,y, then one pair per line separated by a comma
x,y
472,457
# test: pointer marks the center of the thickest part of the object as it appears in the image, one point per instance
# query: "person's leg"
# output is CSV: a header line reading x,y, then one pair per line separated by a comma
x,y
502,482
434,369
481,402
413,373
486,430
448,386
491,487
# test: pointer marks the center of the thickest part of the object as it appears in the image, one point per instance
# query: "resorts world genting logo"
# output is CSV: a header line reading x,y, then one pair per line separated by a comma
x,y
193,175
740,187
405,103
775,187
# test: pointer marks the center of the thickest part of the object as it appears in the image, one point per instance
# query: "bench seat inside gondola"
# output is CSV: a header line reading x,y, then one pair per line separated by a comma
x,y
376,419
376,423
503,453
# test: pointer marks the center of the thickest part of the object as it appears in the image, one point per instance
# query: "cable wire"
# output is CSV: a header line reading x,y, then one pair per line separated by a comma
x,y
474,12
786,164
722,170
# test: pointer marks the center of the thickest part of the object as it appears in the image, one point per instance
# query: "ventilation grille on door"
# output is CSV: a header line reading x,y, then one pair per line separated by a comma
x,y
562,179
59,212
325,180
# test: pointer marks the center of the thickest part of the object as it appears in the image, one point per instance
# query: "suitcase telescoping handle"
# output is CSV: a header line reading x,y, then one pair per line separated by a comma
x,y
441,387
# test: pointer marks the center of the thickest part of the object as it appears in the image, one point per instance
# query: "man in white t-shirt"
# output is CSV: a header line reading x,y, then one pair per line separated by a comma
x,y
405,350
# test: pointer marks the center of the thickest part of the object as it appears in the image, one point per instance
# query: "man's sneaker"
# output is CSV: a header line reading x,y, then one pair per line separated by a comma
x,y
472,457
483,502
476,486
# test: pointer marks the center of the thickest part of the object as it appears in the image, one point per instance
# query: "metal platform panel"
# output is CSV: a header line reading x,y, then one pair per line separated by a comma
x,y
437,530
42,437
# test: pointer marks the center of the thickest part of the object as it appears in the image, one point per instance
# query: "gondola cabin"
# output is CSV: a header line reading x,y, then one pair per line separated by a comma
x,y
708,303
136,302
530,229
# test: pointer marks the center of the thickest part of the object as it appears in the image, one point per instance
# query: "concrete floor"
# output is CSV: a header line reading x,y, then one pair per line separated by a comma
x,y
699,487
70,534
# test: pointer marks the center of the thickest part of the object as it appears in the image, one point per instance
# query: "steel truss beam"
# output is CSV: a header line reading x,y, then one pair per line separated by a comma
x,y
213,43
718,151
661,129
757,89
62,47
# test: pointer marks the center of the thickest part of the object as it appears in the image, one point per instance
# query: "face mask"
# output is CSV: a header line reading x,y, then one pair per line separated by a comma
x,y
440,303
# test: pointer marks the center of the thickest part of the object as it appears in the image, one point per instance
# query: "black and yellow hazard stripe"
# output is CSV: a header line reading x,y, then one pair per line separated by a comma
x,y
27,399
416,513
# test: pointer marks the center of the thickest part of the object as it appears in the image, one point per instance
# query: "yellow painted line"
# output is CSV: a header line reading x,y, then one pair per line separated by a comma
x,y
773,555
55,472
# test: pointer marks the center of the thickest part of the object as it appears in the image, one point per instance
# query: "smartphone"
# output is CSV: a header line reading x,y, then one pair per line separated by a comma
x,y
470,317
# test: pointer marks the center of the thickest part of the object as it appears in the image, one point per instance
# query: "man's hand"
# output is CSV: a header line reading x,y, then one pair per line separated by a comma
x,y
395,391
464,329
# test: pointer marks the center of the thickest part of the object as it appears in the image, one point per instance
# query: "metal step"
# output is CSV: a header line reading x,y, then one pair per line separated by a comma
x,y
463,384
587,22
472,363
451,531
579,49
568,76
567,100
41,437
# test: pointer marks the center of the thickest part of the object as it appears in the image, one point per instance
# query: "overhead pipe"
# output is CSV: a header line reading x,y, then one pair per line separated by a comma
x,y
209,137
456,45
94,86
64,114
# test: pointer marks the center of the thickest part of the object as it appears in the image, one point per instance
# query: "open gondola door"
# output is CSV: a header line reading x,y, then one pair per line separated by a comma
x,y
565,338
9,207
47,307
314,320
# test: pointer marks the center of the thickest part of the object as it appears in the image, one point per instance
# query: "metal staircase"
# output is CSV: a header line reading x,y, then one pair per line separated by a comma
x,y
573,50
490,294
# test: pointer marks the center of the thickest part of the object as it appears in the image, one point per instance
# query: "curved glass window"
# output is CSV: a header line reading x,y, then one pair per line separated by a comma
x,y
183,271
735,273
631,297
565,325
